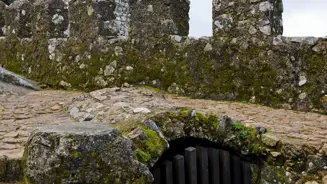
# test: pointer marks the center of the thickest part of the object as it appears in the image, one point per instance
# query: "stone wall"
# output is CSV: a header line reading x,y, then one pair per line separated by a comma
x,y
156,17
88,44
255,21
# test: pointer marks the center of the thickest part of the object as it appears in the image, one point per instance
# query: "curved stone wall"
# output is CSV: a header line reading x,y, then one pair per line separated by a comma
x,y
56,153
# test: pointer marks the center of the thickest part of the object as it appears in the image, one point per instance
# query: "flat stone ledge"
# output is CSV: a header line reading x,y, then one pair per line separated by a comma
x,y
12,78
76,129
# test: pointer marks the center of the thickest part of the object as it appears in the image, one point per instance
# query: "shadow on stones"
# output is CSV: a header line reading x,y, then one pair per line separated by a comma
x,y
178,146
7,2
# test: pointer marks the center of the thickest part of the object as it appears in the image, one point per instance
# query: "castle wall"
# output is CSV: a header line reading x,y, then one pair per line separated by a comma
x,y
95,44
253,21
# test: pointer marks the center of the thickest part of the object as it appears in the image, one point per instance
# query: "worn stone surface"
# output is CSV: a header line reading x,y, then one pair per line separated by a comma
x,y
283,125
12,78
55,154
21,111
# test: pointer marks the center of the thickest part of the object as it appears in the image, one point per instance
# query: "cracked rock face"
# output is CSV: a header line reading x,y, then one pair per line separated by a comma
x,y
82,153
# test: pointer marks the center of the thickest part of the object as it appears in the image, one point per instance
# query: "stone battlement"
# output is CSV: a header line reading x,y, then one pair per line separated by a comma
x,y
95,44
112,18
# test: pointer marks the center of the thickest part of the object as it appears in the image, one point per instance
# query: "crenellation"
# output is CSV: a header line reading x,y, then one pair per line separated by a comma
x,y
122,14
112,17
51,18
93,18
2,18
82,20
247,20
18,19
179,11
156,18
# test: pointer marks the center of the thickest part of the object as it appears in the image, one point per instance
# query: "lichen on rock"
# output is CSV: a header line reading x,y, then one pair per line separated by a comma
x,y
81,153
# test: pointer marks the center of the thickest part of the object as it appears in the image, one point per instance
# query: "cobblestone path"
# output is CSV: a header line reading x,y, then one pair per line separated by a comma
x,y
22,110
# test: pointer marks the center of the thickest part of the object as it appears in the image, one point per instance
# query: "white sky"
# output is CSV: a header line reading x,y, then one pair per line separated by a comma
x,y
300,18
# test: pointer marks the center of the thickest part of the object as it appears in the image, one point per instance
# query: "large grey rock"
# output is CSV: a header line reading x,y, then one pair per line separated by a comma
x,y
12,78
82,153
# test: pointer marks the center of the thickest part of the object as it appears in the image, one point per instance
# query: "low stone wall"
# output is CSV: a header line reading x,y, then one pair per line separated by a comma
x,y
289,75
87,152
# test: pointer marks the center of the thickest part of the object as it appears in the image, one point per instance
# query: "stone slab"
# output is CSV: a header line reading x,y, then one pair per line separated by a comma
x,y
12,78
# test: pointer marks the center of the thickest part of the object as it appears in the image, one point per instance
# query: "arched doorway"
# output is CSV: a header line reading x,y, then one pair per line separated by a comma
x,y
199,161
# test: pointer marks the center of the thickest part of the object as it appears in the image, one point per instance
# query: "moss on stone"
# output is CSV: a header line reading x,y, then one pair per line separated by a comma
x,y
150,149
218,74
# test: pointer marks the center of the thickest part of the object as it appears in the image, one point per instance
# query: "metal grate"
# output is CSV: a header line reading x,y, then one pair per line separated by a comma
x,y
203,166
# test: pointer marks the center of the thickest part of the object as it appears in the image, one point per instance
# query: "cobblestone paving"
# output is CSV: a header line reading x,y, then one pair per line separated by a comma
x,y
112,106
22,113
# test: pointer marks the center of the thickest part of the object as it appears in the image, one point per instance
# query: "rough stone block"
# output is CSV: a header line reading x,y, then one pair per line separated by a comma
x,y
240,18
156,17
109,18
82,153
51,18
82,19
179,11
112,17
10,169
19,18
2,18
12,78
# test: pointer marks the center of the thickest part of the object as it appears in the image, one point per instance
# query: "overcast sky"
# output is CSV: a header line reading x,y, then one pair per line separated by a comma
x,y
300,18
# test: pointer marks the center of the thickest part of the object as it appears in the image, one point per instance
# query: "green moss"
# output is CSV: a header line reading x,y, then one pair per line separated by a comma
x,y
242,131
142,156
77,155
149,149
200,117
226,73
26,180
93,155
66,173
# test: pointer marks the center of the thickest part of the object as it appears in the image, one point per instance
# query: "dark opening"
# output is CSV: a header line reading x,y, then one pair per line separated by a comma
x,y
8,2
234,167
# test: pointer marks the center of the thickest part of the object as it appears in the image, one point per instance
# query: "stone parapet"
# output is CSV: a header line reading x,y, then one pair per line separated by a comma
x,y
249,20
107,43
2,18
